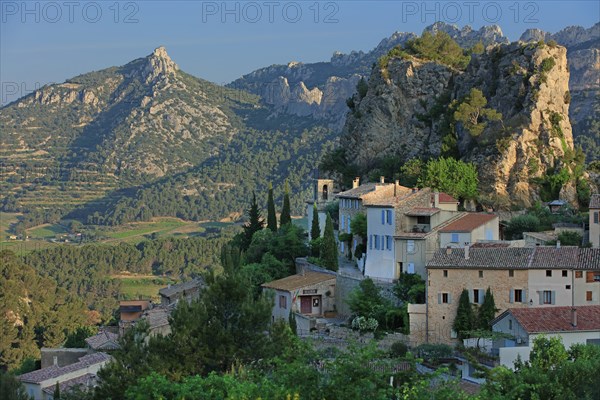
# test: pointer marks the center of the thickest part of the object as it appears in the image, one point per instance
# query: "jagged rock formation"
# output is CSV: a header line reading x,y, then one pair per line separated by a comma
x,y
583,54
395,117
321,89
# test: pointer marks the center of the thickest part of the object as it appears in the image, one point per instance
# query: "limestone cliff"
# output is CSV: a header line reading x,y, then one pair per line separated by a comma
x,y
526,83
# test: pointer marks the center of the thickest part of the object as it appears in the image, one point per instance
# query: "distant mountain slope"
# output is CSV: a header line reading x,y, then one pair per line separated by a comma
x,y
114,128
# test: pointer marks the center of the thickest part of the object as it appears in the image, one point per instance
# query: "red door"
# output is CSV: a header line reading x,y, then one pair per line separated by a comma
x,y
305,304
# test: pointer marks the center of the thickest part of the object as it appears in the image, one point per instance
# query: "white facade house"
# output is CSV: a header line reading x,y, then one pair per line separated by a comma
x,y
381,228
469,229
595,220
40,384
579,324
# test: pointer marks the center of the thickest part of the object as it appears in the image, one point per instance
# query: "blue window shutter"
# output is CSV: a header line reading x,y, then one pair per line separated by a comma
x,y
481,293
553,297
371,242
382,217
524,296
541,293
439,298
449,298
511,296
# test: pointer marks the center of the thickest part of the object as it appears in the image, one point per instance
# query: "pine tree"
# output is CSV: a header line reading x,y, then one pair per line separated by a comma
x,y
286,217
315,229
329,253
255,223
465,317
271,216
487,311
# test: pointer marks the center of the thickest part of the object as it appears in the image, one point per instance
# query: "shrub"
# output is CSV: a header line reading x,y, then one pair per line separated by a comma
x,y
433,352
398,349
363,324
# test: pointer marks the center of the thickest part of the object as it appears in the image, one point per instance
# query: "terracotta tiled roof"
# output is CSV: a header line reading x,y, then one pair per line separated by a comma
x,y
489,245
553,257
469,222
360,191
53,371
540,257
556,319
446,198
299,281
103,341
422,211
501,258
589,259
173,289
595,201
85,381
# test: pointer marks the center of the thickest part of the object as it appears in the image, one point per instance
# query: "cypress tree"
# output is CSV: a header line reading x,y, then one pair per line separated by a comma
x,y
329,253
465,317
487,311
286,216
315,229
271,216
255,223
293,323
56,394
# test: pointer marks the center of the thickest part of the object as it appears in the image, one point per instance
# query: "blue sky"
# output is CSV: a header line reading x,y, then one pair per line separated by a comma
x,y
49,41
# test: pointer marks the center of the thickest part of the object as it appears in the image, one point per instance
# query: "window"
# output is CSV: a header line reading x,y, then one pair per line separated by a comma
x,y
511,273
445,273
382,217
371,242
588,295
454,238
423,220
348,225
578,274
547,297
477,296
376,242
510,324
411,268
518,295
444,298
282,302
410,246
388,242
568,287
592,276
564,273
325,191
481,274
596,217
548,272
389,216
342,220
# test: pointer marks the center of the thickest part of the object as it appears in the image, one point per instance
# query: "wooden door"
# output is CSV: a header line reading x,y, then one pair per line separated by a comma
x,y
305,304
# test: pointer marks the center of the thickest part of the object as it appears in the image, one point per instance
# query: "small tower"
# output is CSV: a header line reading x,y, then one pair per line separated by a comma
x,y
323,190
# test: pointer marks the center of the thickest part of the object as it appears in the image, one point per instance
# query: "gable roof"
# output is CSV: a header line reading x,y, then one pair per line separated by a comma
x,y
446,198
539,257
104,340
54,371
595,201
85,381
422,211
555,319
358,192
468,222
299,281
180,287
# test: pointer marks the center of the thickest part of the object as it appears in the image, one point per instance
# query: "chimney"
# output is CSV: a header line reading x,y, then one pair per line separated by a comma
x,y
436,199
396,185
574,317
55,360
466,252
355,182
382,179
448,250
558,244
414,190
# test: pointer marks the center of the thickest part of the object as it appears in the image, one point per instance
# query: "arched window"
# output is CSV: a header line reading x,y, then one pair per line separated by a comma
x,y
325,194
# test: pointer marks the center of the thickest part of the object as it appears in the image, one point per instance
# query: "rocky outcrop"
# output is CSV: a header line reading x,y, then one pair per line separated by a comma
x,y
467,37
396,116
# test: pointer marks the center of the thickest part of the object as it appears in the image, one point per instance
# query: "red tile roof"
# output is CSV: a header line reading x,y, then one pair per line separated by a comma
x,y
469,222
556,319
446,198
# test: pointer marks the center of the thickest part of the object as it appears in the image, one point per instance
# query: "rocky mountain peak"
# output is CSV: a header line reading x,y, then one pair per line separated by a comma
x,y
467,37
159,64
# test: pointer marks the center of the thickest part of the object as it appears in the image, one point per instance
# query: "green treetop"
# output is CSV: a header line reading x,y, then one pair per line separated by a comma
x,y
255,223
315,229
465,318
473,114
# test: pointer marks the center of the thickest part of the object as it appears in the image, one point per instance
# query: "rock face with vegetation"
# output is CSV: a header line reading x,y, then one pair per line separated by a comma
x,y
505,109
